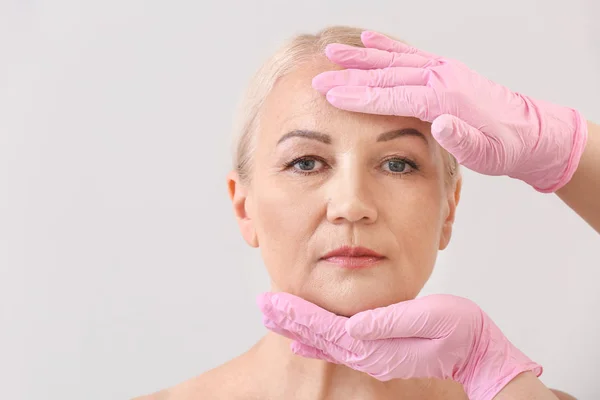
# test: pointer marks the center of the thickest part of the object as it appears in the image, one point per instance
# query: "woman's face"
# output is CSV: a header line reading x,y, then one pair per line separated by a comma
x,y
323,178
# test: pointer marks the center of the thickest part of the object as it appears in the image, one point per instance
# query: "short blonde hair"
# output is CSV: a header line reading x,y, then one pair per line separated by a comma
x,y
299,49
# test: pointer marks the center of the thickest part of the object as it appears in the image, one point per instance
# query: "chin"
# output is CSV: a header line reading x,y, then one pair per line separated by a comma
x,y
349,303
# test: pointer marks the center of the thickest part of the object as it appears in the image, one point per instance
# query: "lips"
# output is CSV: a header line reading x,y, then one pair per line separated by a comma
x,y
348,251
353,257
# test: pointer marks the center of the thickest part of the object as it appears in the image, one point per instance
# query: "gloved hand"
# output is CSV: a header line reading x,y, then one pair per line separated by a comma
x,y
487,127
437,336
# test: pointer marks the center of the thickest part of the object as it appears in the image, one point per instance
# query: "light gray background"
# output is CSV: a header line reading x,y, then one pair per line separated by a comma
x,y
122,269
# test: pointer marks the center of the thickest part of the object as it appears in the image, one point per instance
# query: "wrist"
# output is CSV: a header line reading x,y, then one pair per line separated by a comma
x,y
495,362
555,156
575,139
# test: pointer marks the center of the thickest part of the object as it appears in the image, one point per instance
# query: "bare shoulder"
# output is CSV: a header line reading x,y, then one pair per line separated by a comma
x,y
562,395
229,381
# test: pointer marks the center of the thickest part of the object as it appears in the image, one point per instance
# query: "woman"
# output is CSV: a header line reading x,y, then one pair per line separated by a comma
x,y
349,210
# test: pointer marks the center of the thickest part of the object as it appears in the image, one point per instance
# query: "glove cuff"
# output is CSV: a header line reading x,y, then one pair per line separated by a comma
x,y
562,134
578,146
495,362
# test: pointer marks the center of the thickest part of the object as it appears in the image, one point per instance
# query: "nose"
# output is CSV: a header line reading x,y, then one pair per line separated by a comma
x,y
349,198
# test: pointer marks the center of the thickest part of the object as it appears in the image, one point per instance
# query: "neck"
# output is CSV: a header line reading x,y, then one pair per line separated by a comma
x,y
289,376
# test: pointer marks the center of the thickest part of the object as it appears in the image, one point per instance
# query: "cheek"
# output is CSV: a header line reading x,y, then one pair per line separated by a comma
x,y
416,220
283,214
285,220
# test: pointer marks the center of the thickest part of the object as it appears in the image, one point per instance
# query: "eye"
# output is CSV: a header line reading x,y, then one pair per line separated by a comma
x,y
306,165
398,166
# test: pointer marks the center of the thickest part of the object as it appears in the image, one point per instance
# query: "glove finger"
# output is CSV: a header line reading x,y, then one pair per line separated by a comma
x,y
376,40
429,317
304,350
304,335
273,327
305,318
307,314
285,332
384,78
406,101
467,144
369,58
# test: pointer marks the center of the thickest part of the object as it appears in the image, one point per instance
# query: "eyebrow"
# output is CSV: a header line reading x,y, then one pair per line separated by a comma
x,y
325,138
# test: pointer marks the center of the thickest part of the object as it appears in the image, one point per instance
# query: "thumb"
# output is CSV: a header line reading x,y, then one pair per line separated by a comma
x,y
458,138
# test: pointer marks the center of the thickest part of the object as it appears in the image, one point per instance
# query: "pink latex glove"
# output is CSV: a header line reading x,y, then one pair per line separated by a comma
x,y
487,127
437,336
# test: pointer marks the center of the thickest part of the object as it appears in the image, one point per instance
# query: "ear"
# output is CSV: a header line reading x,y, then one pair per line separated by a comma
x,y
238,193
453,199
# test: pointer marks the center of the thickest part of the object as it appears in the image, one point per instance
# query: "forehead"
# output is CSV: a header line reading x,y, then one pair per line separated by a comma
x,y
294,104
